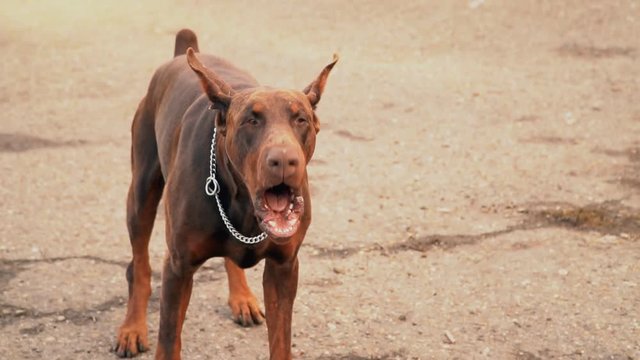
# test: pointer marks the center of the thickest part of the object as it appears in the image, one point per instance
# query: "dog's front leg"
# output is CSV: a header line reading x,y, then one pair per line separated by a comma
x,y
177,282
280,282
244,305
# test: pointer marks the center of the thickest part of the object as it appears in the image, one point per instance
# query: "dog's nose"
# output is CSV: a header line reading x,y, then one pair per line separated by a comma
x,y
282,162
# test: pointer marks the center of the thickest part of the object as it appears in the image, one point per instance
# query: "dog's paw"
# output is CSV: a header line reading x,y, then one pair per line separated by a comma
x,y
132,340
245,310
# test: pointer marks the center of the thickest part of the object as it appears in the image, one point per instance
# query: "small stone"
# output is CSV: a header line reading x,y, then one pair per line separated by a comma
x,y
569,119
563,272
449,339
50,339
61,318
20,312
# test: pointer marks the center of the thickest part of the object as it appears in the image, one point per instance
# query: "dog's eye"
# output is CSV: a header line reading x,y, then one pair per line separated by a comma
x,y
301,121
252,121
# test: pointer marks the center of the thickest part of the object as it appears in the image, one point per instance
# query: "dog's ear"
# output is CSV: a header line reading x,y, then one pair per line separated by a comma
x,y
315,89
216,89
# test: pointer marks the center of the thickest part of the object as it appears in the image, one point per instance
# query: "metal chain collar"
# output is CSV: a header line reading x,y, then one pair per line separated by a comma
x,y
212,188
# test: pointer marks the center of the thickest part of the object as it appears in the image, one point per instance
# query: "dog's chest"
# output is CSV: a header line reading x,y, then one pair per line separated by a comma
x,y
244,257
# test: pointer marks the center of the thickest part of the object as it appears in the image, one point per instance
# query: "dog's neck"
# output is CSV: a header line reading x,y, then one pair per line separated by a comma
x,y
231,180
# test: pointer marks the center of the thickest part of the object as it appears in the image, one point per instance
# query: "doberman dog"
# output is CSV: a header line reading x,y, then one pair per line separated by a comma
x,y
230,156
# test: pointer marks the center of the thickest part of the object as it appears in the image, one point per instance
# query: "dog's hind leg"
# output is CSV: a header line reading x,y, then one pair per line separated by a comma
x,y
144,195
244,305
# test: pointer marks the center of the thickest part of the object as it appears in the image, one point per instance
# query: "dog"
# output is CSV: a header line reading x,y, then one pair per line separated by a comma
x,y
229,158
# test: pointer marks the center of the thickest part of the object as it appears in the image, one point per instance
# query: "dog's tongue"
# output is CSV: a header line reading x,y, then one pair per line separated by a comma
x,y
276,202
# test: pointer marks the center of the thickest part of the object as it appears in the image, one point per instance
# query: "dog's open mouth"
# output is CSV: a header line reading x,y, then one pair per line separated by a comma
x,y
279,209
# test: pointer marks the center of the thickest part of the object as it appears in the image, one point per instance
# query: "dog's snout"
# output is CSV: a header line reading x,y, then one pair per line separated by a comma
x,y
282,162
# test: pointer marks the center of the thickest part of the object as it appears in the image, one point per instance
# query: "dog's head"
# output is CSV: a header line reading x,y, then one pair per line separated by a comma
x,y
270,136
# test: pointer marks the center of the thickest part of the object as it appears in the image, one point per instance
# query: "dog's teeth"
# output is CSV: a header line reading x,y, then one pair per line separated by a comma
x,y
290,206
272,223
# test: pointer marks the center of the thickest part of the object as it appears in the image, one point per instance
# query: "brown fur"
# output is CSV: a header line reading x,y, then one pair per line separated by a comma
x,y
171,135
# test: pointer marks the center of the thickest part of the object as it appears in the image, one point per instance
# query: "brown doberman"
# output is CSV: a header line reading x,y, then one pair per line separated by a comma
x,y
230,156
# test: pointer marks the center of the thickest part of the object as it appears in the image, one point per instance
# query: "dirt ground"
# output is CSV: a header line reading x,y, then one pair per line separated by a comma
x,y
476,183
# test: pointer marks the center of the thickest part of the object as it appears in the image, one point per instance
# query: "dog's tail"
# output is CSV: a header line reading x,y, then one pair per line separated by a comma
x,y
184,40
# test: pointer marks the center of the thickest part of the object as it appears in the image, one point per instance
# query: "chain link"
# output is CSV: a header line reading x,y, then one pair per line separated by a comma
x,y
211,181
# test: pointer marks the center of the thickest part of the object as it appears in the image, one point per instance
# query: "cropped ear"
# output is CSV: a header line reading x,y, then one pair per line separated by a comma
x,y
315,89
216,89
